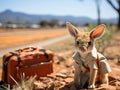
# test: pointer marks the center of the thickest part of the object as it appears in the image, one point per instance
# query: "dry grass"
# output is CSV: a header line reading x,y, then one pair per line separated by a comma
x,y
61,46
20,39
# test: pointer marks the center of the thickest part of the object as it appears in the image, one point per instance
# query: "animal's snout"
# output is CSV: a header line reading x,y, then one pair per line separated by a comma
x,y
83,48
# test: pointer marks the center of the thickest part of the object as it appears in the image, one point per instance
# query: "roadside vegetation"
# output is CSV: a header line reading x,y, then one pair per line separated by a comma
x,y
103,42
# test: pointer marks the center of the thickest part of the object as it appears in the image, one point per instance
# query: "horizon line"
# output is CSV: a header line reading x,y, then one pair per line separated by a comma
x,y
54,14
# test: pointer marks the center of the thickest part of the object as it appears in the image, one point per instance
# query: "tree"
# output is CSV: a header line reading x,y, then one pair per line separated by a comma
x,y
53,23
98,11
48,23
9,22
117,10
44,23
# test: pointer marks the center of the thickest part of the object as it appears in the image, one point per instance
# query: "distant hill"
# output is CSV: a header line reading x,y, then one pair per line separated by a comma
x,y
19,17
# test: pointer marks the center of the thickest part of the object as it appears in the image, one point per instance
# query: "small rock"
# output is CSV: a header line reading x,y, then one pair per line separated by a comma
x,y
46,80
57,61
69,63
64,71
61,75
68,80
63,83
39,85
61,58
57,84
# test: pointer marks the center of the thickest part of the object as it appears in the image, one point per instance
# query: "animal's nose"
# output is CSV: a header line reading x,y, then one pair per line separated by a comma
x,y
84,47
77,42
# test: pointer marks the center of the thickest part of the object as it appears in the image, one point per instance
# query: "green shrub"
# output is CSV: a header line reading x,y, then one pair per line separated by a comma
x,y
103,42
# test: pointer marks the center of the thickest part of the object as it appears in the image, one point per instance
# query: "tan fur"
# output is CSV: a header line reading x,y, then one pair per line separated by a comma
x,y
88,53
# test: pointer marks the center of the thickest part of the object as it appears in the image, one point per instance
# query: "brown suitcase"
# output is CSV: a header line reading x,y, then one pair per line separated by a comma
x,y
30,61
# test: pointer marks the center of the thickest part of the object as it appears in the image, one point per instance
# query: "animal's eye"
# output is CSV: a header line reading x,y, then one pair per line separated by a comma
x,y
77,42
89,43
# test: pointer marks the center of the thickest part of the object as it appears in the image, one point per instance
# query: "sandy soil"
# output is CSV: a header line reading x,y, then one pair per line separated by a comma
x,y
62,78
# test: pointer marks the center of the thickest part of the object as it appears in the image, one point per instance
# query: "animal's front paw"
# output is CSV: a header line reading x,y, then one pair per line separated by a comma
x,y
91,86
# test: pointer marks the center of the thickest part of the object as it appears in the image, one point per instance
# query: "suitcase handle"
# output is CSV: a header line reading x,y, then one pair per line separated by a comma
x,y
27,49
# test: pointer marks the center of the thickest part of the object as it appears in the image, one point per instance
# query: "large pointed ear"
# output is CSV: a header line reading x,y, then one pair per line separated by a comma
x,y
72,29
98,31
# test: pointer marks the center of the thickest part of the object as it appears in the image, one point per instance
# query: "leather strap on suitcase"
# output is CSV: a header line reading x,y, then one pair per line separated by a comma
x,y
6,64
44,51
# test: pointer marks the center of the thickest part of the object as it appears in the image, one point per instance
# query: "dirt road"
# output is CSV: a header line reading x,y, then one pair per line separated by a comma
x,y
37,44
27,32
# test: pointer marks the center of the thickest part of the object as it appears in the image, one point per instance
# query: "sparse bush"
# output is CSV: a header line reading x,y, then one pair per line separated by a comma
x,y
48,23
44,23
24,84
105,40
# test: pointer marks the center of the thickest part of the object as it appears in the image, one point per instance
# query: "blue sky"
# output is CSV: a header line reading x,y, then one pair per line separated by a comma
x,y
60,7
